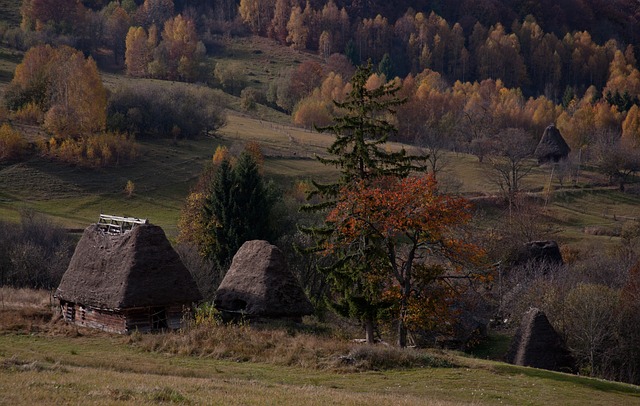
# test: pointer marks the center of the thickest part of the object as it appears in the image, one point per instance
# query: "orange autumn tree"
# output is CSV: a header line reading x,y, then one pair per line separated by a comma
x,y
418,248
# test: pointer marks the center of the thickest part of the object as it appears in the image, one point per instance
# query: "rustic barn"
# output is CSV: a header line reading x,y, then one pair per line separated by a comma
x,y
260,284
552,147
122,281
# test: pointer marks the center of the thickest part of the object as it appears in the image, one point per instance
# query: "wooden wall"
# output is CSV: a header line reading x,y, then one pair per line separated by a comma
x,y
144,319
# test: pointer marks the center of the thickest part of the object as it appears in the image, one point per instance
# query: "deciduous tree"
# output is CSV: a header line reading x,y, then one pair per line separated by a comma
x,y
409,228
510,161
137,53
65,85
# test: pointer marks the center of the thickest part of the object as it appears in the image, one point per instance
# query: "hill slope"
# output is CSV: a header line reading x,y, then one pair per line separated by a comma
x,y
105,370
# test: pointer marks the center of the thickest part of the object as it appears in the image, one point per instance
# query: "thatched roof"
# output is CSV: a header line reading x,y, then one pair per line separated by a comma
x,y
537,344
259,283
552,147
546,251
136,269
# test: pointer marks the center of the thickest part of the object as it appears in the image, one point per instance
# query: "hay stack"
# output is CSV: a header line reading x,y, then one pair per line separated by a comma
x,y
260,284
536,344
552,147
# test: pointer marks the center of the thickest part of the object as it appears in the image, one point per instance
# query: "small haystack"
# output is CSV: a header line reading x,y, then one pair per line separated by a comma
x,y
536,344
552,147
126,282
260,284
544,252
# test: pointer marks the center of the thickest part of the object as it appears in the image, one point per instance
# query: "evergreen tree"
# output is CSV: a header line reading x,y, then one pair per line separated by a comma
x,y
252,198
237,209
351,52
219,215
358,152
362,131
385,67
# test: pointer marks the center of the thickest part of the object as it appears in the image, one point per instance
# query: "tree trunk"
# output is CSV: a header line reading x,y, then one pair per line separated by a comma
x,y
369,329
402,327
402,333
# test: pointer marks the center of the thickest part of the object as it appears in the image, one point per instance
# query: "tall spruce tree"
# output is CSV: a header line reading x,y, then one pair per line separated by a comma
x,y
358,152
237,209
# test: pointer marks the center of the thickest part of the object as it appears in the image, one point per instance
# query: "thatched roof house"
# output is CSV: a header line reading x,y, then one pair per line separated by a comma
x,y
552,147
126,282
538,345
260,284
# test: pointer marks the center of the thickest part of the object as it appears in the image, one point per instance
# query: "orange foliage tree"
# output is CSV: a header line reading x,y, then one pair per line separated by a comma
x,y
412,229
63,84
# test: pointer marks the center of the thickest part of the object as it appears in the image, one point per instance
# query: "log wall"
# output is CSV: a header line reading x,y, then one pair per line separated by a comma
x,y
144,320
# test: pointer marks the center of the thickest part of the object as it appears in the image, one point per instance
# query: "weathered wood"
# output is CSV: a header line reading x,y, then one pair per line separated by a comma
x,y
117,224
144,320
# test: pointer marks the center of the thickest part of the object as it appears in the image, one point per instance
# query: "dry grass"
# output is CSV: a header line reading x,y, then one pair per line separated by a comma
x,y
75,385
278,345
24,310
18,298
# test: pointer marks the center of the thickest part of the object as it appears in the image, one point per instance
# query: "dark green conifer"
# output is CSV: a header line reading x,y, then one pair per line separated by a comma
x,y
358,152
238,208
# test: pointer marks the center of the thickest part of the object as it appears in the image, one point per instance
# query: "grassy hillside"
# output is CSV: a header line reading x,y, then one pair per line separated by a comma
x,y
10,12
75,196
44,360
70,366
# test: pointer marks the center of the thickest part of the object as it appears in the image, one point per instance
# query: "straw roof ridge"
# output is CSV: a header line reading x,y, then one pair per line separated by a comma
x,y
135,269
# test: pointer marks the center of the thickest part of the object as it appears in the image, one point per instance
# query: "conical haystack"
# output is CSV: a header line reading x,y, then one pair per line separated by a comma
x,y
259,283
536,344
552,147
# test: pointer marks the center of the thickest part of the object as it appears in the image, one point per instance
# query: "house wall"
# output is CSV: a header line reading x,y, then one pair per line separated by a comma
x,y
144,319
149,319
101,319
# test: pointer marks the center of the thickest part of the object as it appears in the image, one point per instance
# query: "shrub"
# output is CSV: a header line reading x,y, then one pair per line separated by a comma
x,y
35,253
12,143
369,357
248,98
95,151
30,113
310,112
231,77
161,111
129,188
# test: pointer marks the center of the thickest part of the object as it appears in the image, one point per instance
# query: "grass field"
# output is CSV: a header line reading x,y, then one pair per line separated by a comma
x,y
44,360
10,12
72,366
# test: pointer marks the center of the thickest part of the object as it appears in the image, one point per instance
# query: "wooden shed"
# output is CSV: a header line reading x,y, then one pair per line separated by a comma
x,y
123,281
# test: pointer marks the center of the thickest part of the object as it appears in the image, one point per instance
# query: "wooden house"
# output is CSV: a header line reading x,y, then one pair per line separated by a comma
x,y
126,277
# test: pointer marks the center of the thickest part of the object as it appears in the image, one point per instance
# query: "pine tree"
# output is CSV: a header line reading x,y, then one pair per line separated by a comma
x,y
219,215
